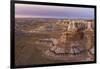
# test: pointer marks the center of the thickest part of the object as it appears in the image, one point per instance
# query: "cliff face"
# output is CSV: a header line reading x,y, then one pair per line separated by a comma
x,y
76,41
60,40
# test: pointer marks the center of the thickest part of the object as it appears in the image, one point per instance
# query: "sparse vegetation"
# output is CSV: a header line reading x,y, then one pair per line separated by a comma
x,y
28,32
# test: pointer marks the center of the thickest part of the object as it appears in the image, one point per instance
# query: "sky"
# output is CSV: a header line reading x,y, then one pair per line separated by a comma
x,y
46,11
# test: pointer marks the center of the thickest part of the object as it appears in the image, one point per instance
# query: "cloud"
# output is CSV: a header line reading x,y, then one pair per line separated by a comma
x,y
26,10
